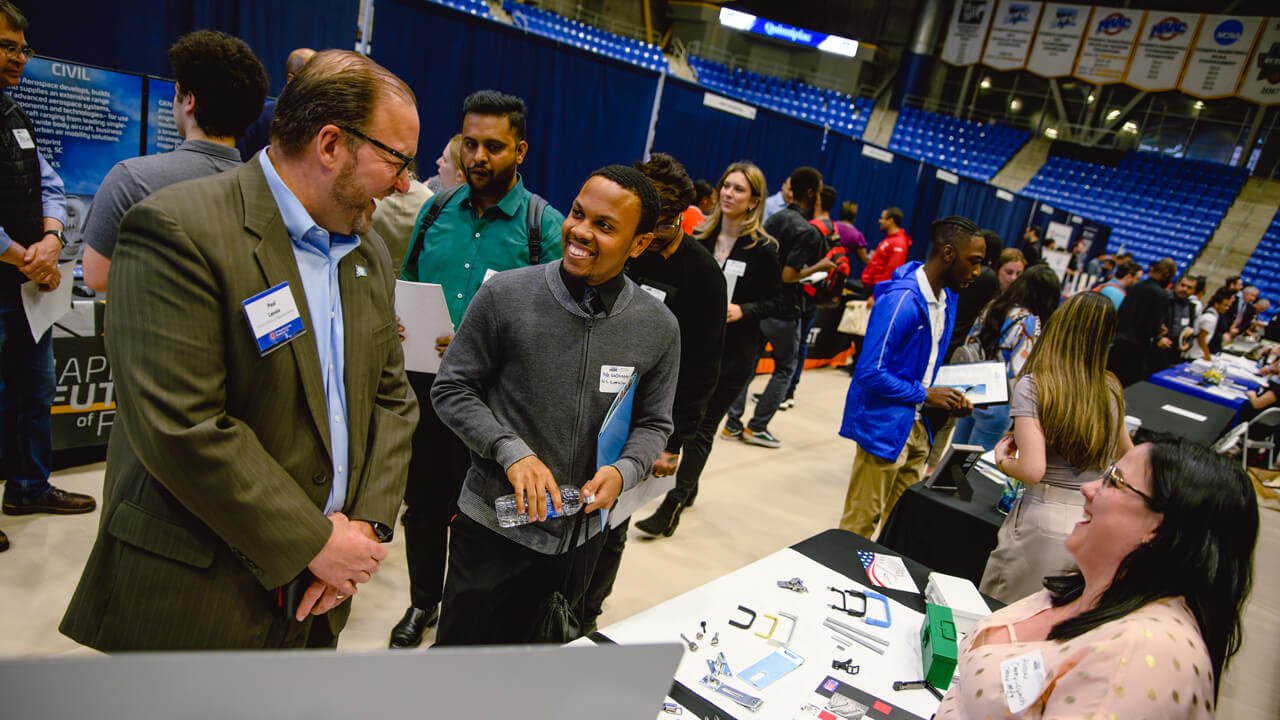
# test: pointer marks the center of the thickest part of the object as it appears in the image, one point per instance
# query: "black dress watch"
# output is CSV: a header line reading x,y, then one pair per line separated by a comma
x,y
383,532
56,233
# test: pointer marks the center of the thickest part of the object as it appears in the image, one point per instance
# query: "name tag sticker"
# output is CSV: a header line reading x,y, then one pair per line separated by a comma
x,y
1023,679
24,139
488,274
614,377
736,268
273,317
660,294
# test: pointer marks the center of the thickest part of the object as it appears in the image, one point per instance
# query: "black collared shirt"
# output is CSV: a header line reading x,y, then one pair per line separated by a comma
x,y
606,291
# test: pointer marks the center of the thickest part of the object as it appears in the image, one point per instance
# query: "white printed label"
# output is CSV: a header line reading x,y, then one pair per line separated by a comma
x,y
736,268
24,139
1023,680
660,294
614,377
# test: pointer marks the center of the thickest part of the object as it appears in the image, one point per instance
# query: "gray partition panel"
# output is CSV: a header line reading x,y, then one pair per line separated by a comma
x,y
531,683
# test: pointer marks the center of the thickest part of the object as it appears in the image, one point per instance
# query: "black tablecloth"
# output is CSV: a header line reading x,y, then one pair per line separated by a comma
x,y
938,529
1147,401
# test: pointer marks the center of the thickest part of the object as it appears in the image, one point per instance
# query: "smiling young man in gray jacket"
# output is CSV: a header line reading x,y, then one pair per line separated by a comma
x,y
526,384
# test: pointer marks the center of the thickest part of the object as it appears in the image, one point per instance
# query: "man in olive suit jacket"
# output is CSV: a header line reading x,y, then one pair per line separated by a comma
x,y
264,419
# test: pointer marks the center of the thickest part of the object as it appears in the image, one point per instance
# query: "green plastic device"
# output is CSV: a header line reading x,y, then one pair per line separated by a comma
x,y
938,646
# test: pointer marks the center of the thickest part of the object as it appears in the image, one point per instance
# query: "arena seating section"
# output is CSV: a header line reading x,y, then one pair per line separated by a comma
x,y
962,146
832,108
1157,206
1263,268
473,7
584,36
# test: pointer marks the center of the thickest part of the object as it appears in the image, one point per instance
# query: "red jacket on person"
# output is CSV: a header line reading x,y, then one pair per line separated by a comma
x,y
891,253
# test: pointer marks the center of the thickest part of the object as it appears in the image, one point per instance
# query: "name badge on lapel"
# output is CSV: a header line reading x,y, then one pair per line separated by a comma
x,y
24,139
273,317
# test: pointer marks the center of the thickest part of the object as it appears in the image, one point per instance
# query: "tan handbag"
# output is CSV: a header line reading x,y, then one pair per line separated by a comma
x,y
855,317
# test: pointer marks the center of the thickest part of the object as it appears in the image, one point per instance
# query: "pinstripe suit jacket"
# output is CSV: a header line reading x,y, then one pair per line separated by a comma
x,y
219,467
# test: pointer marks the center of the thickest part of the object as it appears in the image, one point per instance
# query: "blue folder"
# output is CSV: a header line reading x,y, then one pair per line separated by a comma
x,y
614,431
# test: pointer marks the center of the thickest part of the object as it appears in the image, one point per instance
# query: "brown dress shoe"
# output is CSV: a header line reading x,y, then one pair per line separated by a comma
x,y
56,501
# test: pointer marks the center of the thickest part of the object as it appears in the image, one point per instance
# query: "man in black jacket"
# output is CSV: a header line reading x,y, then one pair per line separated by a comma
x,y
1140,325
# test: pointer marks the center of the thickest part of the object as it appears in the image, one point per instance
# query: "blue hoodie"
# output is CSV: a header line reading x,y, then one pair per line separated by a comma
x,y
888,382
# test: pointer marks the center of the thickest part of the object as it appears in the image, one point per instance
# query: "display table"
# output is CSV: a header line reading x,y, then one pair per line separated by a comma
x,y
1187,415
945,533
828,559
1186,379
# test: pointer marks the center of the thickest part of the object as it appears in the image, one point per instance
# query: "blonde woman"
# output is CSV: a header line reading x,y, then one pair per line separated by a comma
x,y
1068,424
734,234
449,171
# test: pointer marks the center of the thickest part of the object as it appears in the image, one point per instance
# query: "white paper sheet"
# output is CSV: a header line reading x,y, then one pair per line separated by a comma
x,y
650,488
983,383
44,308
425,317
1184,412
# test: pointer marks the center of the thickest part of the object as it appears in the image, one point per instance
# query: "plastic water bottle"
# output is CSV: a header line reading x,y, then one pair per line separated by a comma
x,y
505,506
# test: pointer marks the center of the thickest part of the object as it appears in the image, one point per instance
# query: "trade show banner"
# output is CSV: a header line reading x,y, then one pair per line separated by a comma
x,y
1163,44
1262,75
84,404
967,31
1219,55
1053,52
1108,45
1011,31
86,119
162,133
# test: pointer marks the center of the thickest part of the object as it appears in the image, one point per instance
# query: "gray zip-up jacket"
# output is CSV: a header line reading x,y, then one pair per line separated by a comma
x,y
530,373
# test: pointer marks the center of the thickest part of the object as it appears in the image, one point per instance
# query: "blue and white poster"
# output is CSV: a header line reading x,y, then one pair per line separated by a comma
x,y
1163,44
162,134
1009,41
86,119
1219,56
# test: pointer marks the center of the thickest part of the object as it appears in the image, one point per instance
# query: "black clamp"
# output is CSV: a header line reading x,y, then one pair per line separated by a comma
x,y
844,603
751,618
846,665
917,684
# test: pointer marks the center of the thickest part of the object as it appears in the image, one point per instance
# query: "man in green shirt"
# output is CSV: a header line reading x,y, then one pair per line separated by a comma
x,y
482,228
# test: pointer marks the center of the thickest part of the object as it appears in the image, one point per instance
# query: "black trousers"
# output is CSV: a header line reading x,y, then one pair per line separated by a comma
x,y
1129,361
606,572
496,588
437,470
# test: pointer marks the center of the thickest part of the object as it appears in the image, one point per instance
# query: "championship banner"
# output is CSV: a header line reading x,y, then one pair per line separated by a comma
x,y
1108,45
1053,52
1219,55
1009,41
86,119
968,29
1163,44
1262,75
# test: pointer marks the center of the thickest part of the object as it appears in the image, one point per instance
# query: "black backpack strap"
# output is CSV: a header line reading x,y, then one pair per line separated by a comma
x,y
438,201
533,227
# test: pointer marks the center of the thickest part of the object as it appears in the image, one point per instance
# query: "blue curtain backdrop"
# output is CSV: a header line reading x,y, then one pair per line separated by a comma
x,y
980,203
585,111
874,185
135,36
706,140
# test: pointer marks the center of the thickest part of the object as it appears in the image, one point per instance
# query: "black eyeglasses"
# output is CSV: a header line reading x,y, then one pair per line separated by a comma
x,y
1112,479
667,231
406,162
12,51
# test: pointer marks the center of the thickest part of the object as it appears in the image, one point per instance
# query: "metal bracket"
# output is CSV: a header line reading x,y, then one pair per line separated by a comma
x,y
846,665
749,702
795,584
844,603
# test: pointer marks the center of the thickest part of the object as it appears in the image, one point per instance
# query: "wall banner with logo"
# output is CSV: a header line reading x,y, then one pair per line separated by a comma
x,y
1012,28
1219,55
1108,45
967,31
1163,44
1053,52
1261,82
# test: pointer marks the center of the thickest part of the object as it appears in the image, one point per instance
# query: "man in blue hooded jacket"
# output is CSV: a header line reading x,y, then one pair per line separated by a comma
x,y
906,342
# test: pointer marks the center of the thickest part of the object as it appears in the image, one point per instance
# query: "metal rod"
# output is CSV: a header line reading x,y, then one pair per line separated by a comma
x,y
856,631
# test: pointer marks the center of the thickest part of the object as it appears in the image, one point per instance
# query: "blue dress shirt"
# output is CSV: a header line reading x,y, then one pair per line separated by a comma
x,y
53,199
318,252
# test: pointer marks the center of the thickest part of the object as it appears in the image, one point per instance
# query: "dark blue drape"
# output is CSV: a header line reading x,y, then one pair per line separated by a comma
x,y
585,111
706,140
874,185
981,203
136,35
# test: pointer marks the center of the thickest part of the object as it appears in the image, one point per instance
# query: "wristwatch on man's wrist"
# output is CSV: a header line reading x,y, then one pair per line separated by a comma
x,y
57,234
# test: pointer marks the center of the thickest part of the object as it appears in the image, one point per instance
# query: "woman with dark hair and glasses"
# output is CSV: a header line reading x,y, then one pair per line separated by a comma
x,y
1147,624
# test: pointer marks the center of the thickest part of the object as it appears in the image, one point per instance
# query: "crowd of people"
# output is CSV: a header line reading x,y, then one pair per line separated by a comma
x,y
269,434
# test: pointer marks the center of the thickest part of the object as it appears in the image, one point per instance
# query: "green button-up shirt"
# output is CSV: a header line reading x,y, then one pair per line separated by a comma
x,y
461,247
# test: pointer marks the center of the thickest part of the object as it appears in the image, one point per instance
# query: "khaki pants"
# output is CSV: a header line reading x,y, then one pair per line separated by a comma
x,y
876,484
